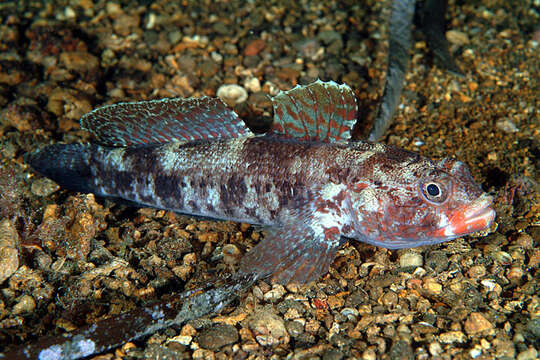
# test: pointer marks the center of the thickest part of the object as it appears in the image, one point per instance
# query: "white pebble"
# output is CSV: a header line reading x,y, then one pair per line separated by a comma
x,y
232,94
252,84
411,259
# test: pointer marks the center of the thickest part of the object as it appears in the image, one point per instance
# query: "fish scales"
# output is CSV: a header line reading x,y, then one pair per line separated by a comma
x,y
251,180
305,180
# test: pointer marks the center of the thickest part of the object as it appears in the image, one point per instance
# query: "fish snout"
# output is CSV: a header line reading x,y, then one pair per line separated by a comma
x,y
475,216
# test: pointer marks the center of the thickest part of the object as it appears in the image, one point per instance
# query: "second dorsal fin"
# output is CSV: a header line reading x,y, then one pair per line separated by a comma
x,y
320,111
162,121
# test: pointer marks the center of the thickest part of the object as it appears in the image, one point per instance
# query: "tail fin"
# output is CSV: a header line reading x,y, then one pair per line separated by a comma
x,y
68,165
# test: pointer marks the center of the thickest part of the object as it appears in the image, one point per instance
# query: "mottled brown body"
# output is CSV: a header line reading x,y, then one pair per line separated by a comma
x,y
256,180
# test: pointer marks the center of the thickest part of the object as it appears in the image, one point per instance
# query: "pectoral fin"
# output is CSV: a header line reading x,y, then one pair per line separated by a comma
x,y
291,254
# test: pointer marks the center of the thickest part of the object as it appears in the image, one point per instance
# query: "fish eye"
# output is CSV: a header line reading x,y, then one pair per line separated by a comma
x,y
434,192
433,189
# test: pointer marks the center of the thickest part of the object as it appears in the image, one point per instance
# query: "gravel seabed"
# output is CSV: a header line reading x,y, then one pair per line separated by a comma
x,y
68,259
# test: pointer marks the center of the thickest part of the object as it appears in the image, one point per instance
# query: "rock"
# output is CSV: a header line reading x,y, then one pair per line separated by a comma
x,y
478,324
268,328
401,350
333,354
9,254
506,125
529,354
44,187
252,84
437,260
231,254
232,94
79,61
450,337
217,336
25,304
411,259
21,117
9,237
275,293
9,262
254,47
69,103
457,37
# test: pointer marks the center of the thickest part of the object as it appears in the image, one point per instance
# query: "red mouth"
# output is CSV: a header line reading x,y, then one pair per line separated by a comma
x,y
476,216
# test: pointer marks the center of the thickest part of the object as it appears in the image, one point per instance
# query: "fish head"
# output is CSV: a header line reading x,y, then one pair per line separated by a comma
x,y
423,203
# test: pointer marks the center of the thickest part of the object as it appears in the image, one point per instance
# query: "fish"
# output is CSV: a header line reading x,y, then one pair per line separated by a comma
x,y
305,180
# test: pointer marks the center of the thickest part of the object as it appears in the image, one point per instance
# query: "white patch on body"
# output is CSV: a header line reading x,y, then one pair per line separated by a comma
x,y
251,197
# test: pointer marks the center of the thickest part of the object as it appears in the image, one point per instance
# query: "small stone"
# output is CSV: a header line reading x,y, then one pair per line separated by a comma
x,y
231,254
79,61
457,37
268,328
25,304
506,125
9,237
276,293
217,336
44,187
432,286
533,327
9,253
9,262
437,260
232,94
411,259
254,47
525,241
252,84
476,271
369,354
401,350
182,339
182,271
333,354
435,349
208,237
529,354
450,337
477,324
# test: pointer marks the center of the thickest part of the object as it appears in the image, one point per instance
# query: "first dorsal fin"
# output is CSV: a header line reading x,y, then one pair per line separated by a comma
x,y
320,111
162,121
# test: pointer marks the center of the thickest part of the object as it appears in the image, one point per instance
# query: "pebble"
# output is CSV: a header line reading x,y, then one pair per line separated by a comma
x,y
275,293
79,61
9,262
268,328
44,187
411,259
506,125
435,348
217,336
254,47
457,37
252,84
232,94
529,354
231,254
476,324
437,260
450,337
9,253
25,304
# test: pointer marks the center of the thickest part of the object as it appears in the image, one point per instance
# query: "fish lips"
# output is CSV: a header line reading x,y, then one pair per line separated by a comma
x,y
476,216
